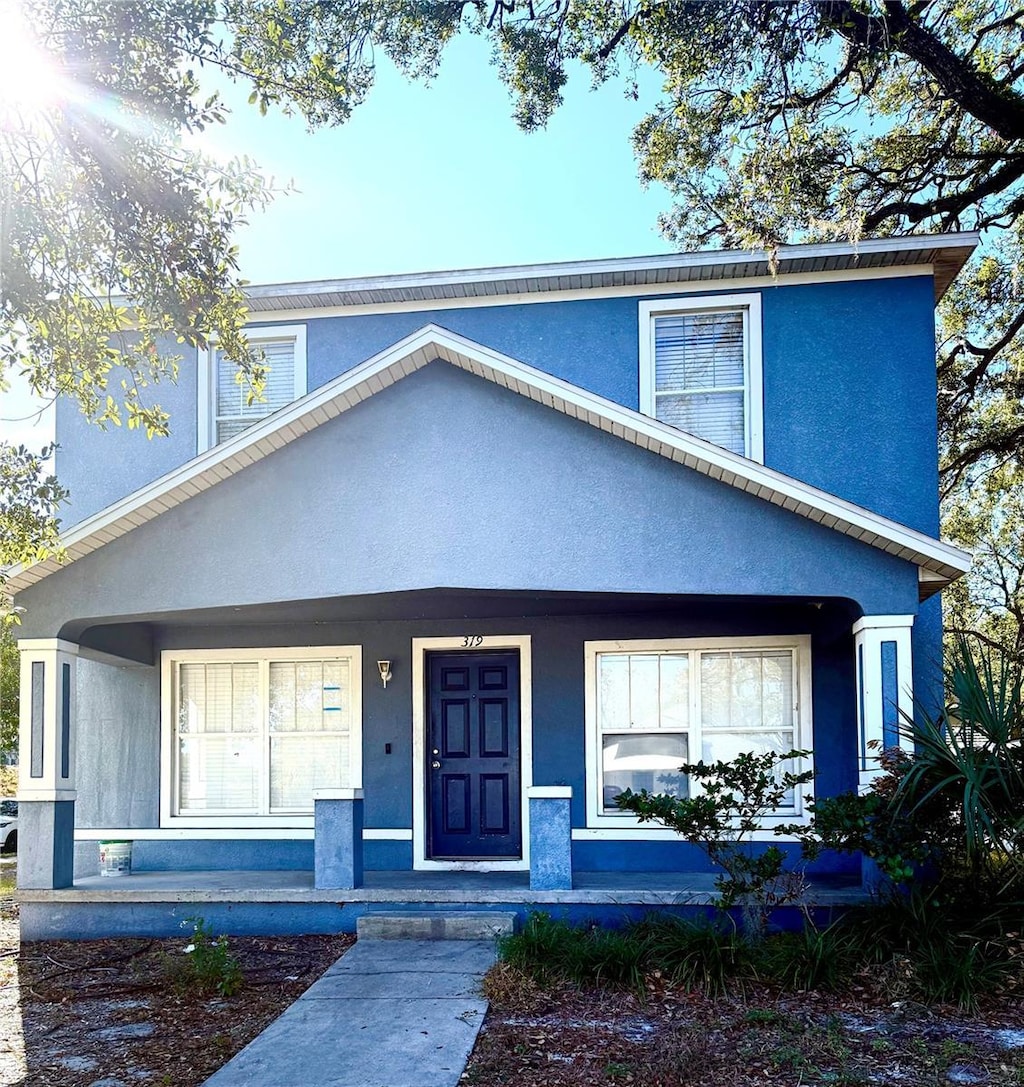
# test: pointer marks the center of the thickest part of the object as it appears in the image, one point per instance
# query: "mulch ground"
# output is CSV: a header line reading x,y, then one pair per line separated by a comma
x,y
568,1037
117,1013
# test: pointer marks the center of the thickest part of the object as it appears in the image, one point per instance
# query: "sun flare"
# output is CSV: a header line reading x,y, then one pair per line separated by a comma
x,y
29,79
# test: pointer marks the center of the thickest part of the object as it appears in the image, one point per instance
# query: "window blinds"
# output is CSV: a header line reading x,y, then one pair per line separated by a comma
x,y
700,375
240,722
233,414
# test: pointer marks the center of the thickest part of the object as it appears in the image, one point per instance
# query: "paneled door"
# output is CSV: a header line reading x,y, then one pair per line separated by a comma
x,y
473,756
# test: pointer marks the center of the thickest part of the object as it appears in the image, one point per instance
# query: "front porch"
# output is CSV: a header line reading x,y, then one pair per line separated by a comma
x,y
288,902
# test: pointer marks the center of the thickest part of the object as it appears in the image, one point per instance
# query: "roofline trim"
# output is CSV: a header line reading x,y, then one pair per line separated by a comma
x,y
531,276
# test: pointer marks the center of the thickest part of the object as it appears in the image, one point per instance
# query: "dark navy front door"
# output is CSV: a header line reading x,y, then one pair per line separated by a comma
x,y
473,755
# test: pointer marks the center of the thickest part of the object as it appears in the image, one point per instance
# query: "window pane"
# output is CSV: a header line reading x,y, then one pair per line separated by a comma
x,y
300,763
675,691
725,746
613,690
642,762
715,417
309,696
748,689
644,709
699,351
218,773
278,390
218,698
232,412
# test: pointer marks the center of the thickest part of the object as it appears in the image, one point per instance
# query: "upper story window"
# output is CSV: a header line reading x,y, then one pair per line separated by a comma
x,y
223,410
700,368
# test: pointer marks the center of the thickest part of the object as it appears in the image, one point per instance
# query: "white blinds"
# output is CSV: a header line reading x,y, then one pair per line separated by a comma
x,y
700,375
218,750
713,704
258,737
233,414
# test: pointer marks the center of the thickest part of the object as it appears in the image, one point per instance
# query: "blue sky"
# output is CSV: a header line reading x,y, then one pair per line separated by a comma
x,y
438,176
428,177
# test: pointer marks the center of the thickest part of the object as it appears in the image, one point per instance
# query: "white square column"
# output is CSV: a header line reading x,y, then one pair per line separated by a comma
x,y
885,689
46,763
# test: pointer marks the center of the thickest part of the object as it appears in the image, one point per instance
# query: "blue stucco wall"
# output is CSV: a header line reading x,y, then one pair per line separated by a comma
x,y
447,480
848,366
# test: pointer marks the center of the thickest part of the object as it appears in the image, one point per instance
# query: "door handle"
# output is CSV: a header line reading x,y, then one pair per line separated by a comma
x,y
436,765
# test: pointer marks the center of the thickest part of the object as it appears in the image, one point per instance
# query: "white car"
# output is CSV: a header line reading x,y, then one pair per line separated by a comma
x,y
8,826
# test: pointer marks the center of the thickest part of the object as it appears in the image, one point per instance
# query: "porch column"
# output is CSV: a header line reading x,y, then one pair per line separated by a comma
x,y
338,839
885,689
550,838
46,764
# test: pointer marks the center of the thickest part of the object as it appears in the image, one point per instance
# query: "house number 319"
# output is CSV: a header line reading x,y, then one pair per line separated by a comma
x,y
471,641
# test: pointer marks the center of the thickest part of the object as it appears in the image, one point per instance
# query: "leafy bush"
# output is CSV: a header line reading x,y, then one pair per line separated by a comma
x,y
949,818
722,819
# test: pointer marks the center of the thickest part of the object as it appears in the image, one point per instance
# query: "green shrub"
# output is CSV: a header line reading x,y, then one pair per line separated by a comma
x,y
812,958
206,964
722,820
704,954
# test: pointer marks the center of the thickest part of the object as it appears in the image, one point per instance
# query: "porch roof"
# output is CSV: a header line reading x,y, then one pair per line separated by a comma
x,y
938,563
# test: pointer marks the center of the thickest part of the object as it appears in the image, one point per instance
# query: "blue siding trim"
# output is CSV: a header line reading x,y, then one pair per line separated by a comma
x,y
36,727
249,855
65,720
890,697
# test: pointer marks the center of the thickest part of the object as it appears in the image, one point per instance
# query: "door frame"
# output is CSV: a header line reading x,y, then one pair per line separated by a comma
x,y
420,713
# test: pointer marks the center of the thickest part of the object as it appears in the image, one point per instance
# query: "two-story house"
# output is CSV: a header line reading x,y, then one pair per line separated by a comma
x,y
496,545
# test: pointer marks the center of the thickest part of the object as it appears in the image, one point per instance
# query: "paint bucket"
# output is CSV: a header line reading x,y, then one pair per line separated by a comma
x,y
115,858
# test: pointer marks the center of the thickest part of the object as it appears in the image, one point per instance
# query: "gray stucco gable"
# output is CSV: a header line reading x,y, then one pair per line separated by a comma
x,y
447,480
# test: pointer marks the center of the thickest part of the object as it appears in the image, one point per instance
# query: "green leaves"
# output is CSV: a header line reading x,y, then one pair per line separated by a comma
x,y
733,802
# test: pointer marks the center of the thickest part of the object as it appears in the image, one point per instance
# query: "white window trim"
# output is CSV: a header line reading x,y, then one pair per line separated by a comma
x,y
207,385
753,403
614,824
420,713
170,658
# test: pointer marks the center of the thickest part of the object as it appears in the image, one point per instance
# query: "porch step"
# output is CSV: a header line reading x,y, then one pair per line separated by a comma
x,y
481,925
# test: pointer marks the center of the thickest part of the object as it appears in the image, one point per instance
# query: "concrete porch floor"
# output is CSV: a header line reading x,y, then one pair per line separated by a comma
x,y
589,888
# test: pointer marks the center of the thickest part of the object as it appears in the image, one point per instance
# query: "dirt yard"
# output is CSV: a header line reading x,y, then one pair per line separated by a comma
x,y
126,1013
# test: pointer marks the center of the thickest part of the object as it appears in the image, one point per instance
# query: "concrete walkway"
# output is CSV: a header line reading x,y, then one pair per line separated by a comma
x,y
388,1013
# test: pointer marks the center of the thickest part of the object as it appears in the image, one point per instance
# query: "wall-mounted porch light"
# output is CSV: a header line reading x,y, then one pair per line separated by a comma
x,y
384,667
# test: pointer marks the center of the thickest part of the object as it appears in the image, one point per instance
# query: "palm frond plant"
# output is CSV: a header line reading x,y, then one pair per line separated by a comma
x,y
969,763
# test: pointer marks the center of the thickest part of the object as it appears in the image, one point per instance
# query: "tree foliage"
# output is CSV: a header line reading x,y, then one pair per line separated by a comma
x,y
9,664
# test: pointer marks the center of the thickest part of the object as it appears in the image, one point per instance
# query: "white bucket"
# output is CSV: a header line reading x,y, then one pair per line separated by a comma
x,y
115,858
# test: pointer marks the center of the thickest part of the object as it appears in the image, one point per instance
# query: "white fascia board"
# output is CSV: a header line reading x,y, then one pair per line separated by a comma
x,y
432,342
535,274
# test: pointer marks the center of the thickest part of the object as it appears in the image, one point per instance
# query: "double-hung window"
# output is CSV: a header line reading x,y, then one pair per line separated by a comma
x,y
652,706
252,733
700,368
226,407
